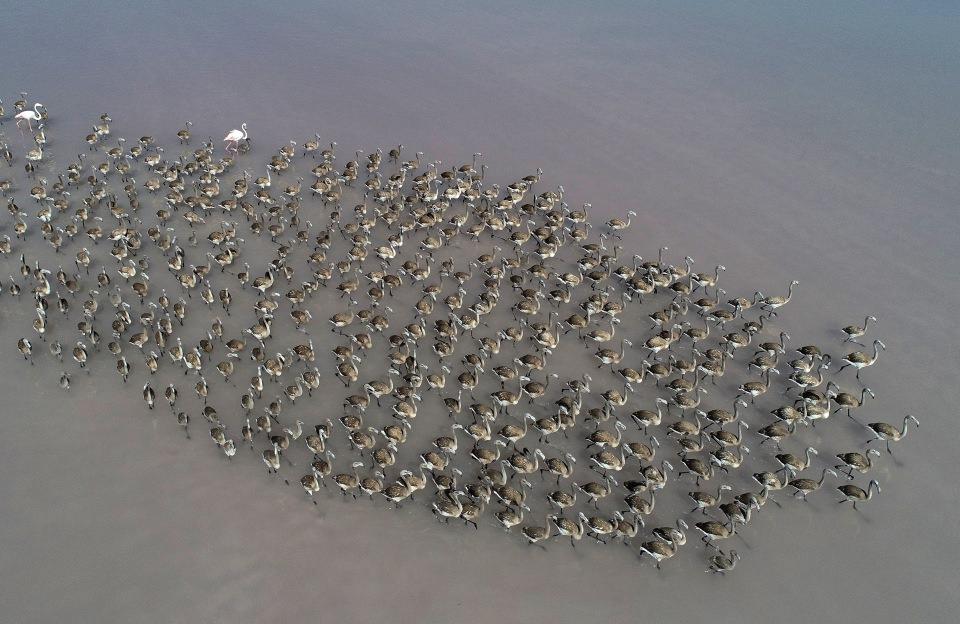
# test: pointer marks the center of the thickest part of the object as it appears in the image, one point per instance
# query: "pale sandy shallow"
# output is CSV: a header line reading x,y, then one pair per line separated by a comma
x,y
840,176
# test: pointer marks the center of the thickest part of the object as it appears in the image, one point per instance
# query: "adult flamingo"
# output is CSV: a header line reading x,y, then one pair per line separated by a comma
x,y
234,137
29,115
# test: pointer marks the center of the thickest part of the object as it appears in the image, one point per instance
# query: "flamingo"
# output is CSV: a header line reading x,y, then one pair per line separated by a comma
x,y
29,115
234,137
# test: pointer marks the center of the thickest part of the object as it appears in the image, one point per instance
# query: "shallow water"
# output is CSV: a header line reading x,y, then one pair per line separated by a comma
x,y
816,146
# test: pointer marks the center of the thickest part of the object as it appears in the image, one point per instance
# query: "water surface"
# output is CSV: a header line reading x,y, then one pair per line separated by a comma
x,y
785,140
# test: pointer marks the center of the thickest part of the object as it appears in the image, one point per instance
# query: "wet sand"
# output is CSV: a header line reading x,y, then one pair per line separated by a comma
x,y
109,514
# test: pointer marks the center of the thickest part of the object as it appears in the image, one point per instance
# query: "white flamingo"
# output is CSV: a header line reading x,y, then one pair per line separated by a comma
x,y
234,137
29,115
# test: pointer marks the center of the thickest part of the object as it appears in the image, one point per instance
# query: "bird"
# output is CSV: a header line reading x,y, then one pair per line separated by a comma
x,y
640,506
854,494
509,518
534,534
804,486
597,526
347,482
705,500
568,528
887,433
184,133
658,550
148,395
29,116
772,304
713,531
722,563
847,400
26,349
271,457
234,137
855,331
792,464
856,461
396,493
617,225
311,485
229,448
497,323
183,419
860,360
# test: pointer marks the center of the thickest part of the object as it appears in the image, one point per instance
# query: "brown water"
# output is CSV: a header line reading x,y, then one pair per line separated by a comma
x,y
816,146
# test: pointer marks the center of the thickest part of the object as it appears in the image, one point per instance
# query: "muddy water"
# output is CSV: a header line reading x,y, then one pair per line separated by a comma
x,y
817,146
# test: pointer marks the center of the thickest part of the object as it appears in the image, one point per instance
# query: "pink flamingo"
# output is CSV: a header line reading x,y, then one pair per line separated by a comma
x,y
29,115
234,137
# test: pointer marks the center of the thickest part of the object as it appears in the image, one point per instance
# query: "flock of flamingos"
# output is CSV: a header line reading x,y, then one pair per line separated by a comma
x,y
374,324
